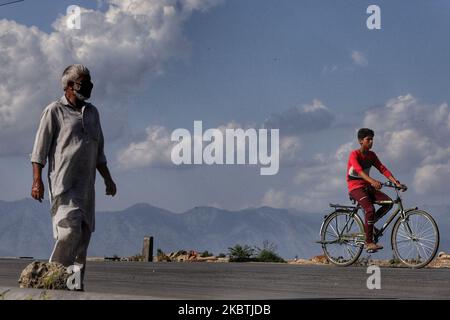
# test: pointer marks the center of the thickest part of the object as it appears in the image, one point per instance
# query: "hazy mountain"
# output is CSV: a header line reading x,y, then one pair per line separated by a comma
x,y
25,230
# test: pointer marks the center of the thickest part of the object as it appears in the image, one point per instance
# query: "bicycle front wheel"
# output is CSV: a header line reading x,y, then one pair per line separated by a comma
x,y
415,239
342,238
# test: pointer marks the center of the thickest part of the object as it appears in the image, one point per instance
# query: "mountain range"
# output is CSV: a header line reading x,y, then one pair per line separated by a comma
x,y
25,230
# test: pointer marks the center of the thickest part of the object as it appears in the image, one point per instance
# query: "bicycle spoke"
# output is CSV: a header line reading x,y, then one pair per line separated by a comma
x,y
417,224
416,239
418,251
424,247
351,225
428,240
332,234
336,233
410,251
403,235
426,230
344,228
424,223
350,252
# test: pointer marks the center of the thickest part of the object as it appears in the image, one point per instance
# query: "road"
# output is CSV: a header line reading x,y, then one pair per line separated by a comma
x,y
249,281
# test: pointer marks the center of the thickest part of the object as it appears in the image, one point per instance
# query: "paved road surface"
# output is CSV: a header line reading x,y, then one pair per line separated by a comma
x,y
250,280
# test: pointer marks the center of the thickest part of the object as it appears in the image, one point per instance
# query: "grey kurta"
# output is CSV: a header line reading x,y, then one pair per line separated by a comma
x,y
72,141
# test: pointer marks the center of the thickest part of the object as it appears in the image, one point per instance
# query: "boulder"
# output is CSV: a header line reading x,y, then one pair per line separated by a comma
x,y
44,275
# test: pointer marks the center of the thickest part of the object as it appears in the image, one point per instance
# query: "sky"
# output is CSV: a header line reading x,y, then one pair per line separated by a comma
x,y
311,69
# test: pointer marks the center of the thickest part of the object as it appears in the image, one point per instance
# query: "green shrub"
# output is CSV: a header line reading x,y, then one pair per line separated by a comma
x,y
266,255
240,253
205,254
394,261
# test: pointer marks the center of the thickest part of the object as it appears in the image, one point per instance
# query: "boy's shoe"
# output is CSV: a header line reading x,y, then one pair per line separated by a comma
x,y
376,234
373,247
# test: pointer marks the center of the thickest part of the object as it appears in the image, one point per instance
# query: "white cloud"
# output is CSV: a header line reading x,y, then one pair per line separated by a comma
x,y
274,198
122,46
314,185
433,179
326,177
290,150
359,59
410,139
154,151
407,147
308,118
290,145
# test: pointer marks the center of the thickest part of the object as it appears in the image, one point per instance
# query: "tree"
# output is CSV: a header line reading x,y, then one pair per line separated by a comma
x,y
240,253
205,254
268,253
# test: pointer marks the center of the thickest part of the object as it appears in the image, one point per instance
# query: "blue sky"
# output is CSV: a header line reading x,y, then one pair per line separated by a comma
x,y
244,61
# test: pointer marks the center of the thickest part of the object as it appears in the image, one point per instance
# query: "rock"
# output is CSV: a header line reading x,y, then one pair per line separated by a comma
x,y
44,275
300,261
442,261
193,255
178,253
181,258
208,259
443,255
322,259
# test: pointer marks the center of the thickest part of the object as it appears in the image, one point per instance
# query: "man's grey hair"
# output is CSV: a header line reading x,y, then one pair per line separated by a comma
x,y
73,73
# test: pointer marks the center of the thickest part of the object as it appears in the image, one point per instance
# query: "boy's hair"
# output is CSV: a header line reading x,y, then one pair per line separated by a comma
x,y
365,132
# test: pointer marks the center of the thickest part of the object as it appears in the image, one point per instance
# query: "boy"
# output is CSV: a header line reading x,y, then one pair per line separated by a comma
x,y
364,189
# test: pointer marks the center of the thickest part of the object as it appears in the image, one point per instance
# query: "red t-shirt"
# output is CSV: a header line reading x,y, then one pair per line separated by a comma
x,y
357,162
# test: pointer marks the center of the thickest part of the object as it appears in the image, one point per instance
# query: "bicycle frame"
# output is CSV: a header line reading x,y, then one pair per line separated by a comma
x,y
354,210
399,210
338,228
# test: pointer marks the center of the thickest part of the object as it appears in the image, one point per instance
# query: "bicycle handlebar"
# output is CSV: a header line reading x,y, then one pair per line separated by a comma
x,y
390,184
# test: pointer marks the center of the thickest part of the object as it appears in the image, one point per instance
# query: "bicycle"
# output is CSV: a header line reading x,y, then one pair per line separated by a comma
x,y
414,237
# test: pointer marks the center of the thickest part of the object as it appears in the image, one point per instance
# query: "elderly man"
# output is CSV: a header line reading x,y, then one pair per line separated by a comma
x,y
70,139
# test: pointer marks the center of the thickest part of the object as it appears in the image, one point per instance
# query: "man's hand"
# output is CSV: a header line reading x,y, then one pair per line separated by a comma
x,y
376,184
111,188
37,190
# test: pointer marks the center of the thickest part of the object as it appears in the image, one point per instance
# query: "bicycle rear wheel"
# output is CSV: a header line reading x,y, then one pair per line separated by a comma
x,y
342,238
415,239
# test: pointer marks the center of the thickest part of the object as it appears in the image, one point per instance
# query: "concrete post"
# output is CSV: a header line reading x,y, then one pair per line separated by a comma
x,y
147,250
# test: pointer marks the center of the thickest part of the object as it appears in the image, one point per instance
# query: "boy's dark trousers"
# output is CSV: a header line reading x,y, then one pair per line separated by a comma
x,y
366,196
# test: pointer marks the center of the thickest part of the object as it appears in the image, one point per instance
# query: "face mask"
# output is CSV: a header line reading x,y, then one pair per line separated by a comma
x,y
82,90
